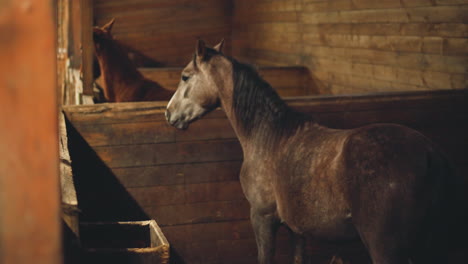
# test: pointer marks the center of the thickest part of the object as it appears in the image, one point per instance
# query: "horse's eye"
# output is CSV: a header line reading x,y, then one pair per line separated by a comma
x,y
185,78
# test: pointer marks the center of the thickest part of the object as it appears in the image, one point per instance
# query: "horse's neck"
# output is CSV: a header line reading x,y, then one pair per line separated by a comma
x,y
255,110
259,139
118,71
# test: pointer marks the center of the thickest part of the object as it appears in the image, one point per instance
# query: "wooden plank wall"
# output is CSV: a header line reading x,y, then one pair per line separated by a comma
x,y
358,46
165,31
287,81
129,164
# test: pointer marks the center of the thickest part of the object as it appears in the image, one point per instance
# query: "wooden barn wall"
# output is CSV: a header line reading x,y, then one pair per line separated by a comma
x,y
164,32
287,81
358,46
129,164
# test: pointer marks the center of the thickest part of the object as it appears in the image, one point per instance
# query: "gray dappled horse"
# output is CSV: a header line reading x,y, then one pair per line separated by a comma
x,y
384,183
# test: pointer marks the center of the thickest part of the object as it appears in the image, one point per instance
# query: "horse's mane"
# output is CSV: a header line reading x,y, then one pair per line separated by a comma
x,y
259,107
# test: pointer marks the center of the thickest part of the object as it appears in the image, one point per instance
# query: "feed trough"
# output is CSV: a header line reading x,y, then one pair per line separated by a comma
x,y
124,242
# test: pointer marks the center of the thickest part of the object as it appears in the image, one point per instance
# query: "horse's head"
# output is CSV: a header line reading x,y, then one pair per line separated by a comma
x,y
102,35
198,90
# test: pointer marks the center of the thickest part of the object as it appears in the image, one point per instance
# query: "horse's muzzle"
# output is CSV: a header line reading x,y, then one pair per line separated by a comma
x,y
178,122
168,116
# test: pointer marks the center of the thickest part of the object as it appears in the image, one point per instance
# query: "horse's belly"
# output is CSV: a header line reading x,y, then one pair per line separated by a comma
x,y
327,217
321,227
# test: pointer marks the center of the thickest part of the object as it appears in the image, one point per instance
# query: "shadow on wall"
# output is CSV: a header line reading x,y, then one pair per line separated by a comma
x,y
101,197
314,86
138,59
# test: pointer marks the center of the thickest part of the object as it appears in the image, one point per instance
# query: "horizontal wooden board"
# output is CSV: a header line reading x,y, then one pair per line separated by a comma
x,y
187,193
454,30
340,5
287,81
434,14
126,133
175,174
134,132
228,230
169,153
163,175
194,213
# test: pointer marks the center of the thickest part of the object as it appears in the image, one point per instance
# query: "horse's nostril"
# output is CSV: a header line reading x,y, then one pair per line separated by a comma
x,y
168,115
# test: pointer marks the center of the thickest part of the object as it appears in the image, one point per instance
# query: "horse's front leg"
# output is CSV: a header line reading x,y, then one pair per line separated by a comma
x,y
265,226
299,244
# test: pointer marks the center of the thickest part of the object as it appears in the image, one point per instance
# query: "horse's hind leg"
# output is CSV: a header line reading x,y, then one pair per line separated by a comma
x,y
385,256
265,226
386,238
385,246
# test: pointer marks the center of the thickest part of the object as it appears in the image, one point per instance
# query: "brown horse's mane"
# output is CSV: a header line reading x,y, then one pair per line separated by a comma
x,y
259,108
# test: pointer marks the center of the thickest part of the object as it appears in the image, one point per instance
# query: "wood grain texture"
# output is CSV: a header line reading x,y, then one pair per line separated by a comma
x,y
164,31
87,46
169,153
287,81
29,163
175,174
358,46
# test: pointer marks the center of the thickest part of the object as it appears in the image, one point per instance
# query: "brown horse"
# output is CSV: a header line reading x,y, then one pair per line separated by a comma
x,y
122,81
384,183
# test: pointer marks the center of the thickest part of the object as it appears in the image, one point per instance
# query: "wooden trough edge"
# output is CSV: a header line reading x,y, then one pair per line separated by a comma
x,y
156,251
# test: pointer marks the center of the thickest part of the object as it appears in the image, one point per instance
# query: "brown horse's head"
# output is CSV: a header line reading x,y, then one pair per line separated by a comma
x,y
198,90
102,36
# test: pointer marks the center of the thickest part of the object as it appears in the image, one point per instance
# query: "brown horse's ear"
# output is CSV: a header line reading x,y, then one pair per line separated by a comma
x,y
108,27
219,47
201,49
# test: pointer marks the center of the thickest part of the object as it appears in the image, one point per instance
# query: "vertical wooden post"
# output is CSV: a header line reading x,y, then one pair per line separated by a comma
x,y
87,45
80,51
63,26
29,181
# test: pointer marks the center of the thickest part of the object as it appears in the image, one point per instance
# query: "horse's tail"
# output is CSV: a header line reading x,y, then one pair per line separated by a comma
x,y
445,229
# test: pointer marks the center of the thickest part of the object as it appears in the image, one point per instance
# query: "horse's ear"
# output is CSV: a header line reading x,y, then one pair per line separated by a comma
x,y
219,47
108,27
201,49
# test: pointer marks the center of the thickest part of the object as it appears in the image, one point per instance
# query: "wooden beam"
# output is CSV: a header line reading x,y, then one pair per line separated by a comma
x,y
87,46
29,181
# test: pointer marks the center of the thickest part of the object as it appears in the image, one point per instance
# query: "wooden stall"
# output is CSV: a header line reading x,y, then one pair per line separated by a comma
x,y
129,164
366,61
